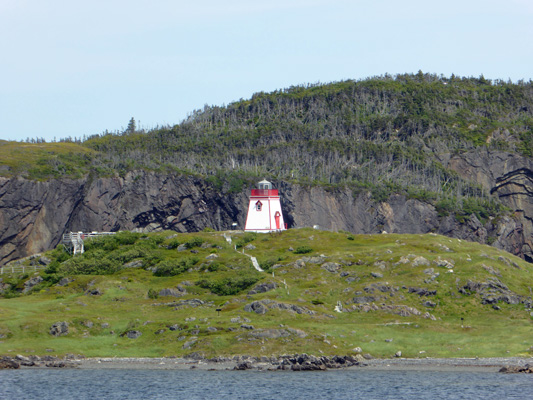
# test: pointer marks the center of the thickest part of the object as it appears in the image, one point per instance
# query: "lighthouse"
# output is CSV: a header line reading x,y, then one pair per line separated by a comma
x,y
264,210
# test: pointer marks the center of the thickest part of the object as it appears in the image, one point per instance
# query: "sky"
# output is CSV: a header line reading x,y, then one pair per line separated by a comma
x,y
73,69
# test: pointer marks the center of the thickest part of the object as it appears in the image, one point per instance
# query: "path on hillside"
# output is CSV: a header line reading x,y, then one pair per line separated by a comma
x,y
255,263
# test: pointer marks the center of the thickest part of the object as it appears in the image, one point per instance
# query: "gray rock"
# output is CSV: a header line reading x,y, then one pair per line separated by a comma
x,y
211,256
31,283
263,287
314,260
134,264
270,333
429,303
173,292
261,307
43,260
491,270
249,247
246,326
256,307
420,261
422,291
189,343
297,332
364,299
449,264
88,324
331,267
133,334
182,247
59,329
65,281
377,274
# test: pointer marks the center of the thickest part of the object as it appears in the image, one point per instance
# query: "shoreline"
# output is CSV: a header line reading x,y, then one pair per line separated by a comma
x,y
396,364
283,363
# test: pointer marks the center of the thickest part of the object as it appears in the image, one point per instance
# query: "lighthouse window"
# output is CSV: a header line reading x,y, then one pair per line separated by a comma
x,y
258,206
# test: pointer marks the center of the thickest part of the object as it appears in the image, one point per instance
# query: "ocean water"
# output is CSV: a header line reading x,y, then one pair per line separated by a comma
x,y
256,385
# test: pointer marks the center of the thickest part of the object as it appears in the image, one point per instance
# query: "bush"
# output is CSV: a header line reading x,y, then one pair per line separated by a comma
x,y
126,238
228,286
216,266
174,267
152,294
303,250
194,242
94,264
445,206
246,238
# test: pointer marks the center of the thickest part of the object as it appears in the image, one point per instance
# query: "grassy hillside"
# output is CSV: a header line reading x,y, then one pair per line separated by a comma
x,y
44,160
424,295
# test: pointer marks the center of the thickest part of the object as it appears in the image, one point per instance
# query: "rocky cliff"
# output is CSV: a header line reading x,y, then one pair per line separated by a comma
x,y
34,215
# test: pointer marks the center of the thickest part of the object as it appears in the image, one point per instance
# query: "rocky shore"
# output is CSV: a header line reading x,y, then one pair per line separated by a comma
x,y
297,362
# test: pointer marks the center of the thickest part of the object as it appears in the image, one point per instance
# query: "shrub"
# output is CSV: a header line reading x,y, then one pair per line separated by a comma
x,y
174,267
303,250
246,238
93,264
445,206
126,237
194,242
152,294
228,286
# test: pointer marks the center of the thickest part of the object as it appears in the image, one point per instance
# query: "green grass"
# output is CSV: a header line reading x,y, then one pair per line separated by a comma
x,y
124,304
41,161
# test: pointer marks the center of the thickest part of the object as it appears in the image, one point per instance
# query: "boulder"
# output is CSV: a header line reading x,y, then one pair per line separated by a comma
x,y
420,261
43,260
263,287
59,329
65,281
422,291
8,363
133,334
134,264
331,267
31,283
173,292
242,366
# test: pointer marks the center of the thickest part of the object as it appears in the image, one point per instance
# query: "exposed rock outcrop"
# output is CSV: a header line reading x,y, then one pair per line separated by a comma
x,y
34,215
262,306
59,329
494,291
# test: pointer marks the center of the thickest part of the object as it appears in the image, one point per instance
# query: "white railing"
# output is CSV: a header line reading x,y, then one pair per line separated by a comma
x,y
73,241
20,269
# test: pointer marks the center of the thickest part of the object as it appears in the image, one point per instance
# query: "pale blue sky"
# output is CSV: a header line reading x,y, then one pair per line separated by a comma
x,y
73,68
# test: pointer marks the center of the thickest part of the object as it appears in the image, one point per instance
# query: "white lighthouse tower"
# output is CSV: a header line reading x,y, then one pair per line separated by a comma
x,y
264,210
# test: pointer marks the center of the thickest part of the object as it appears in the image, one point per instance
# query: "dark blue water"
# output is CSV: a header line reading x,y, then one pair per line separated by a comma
x,y
331,385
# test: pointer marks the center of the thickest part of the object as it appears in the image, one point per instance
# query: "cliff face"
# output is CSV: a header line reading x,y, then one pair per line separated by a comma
x,y
34,215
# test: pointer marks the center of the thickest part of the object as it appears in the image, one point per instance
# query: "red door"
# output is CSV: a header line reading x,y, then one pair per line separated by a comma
x,y
278,222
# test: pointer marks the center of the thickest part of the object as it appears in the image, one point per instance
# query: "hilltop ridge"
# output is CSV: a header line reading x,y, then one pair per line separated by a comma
x,y
413,153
